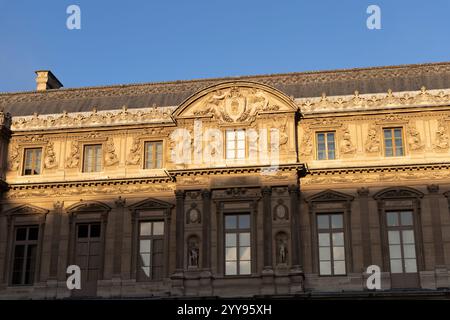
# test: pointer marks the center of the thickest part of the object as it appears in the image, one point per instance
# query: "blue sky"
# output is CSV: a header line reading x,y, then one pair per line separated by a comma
x,y
143,41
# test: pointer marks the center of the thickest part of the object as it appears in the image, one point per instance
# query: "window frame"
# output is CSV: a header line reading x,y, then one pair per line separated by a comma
x,y
330,231
26,243
151,237
154,154
85,155
25,161
401,199
325,133
237,231
394,145
235,130
144,211
331,202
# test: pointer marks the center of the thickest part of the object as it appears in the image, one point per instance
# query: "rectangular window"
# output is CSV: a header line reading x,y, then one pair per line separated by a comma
x,y
92,158
330,231
402,247
32,161
25,252
235,144
237,244
393,142
325,146
151,250
153,155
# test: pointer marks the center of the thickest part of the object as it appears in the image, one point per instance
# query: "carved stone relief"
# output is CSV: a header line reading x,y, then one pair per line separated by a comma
x,y
111,157
50,157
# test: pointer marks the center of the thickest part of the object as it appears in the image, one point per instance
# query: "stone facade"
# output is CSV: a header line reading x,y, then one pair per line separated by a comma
x,y
198,185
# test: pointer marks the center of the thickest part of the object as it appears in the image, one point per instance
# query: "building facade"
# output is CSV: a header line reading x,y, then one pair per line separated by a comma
x,y
278,185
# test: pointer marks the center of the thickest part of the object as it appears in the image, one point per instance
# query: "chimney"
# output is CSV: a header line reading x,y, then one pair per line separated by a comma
x,y
45,80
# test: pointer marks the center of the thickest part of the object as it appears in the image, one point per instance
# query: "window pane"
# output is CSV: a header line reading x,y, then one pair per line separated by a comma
x,y
394,237
230,268
336,221
83,231
409,250
323,221
338,239
145,259
240,154
230,240
339,267
408,236
395,251
230,222
244,239
325,267
398,133
387,134
338,253
410,265
406,218
244,221
244,267
145,246
324,240
392,219
230,254
324,254
244,253
240,134
33,233
396,266
158,228
230,153
399,151
95,230
21,234
230,134
146,228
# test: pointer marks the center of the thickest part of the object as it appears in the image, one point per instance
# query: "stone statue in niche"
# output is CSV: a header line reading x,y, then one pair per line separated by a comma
x,y
193,253
282,249
193,215
50,157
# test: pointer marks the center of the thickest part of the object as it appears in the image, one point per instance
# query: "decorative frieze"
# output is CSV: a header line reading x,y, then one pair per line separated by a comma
x,y
371,102
94,118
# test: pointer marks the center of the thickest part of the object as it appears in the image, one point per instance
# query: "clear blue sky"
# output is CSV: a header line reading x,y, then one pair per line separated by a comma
x,y
143,41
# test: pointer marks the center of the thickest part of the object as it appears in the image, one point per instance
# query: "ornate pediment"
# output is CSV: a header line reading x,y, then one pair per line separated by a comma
x,y
150,203
26,209
396,193
236,102
329,196
88,207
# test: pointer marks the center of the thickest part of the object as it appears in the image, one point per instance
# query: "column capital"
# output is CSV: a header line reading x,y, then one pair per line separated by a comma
x,y
266,191
180,194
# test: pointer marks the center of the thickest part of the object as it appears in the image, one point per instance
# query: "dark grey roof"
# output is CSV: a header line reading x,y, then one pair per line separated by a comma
x,y
302,84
